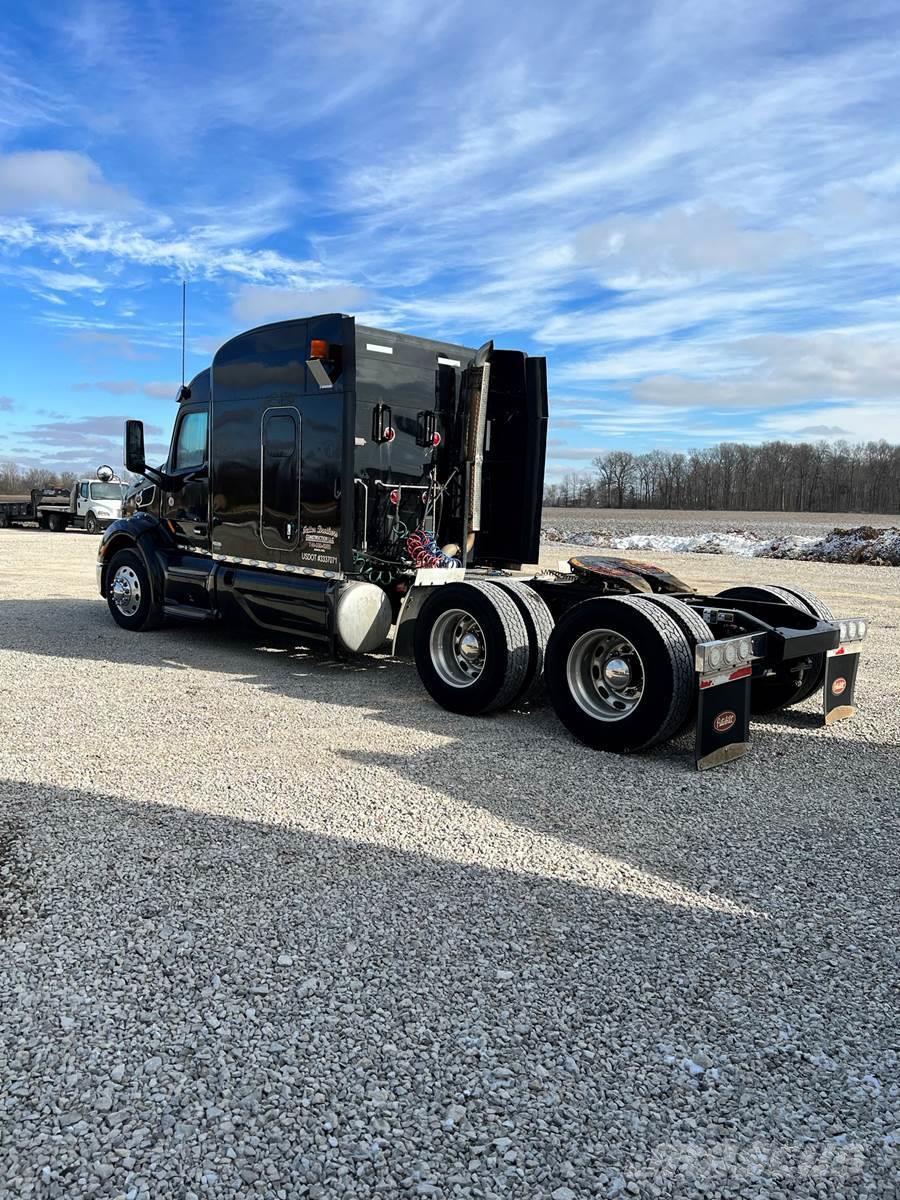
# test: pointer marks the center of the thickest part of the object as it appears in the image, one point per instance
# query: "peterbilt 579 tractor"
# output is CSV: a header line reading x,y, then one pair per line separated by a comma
x,y
365,488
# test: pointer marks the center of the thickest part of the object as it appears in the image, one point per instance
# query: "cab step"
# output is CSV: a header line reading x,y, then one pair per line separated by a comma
x,y
187,612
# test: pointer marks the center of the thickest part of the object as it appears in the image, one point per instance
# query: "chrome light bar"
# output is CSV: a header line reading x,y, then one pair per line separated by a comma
x,y
729,654
853,629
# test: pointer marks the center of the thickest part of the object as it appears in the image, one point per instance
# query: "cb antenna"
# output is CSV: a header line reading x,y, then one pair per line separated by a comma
x,y
183,311
183,392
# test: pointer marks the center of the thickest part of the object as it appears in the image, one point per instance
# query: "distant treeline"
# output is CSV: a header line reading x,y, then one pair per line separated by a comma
x,y
14,480
781,476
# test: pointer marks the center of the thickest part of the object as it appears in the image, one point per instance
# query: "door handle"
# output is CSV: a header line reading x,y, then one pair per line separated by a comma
x,y
199,529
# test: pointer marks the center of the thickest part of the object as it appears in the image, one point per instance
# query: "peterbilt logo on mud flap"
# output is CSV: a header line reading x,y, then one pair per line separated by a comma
x,y
724,721
838,686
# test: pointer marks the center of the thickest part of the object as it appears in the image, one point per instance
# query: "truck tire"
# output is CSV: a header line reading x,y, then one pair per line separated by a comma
x,y
55,523
781,689
819,609
129,594
471,647
91,524
620,673
686,618
4,521
538,625
694,628
42,520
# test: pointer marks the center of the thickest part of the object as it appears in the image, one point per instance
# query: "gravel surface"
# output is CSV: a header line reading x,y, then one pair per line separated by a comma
x,y
272,926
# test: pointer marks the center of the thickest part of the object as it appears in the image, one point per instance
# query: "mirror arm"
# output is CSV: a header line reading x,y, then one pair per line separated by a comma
x,y
169,482
154,475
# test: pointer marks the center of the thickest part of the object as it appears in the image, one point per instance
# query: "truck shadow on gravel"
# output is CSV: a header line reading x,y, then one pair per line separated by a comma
x,y
807,803
241,952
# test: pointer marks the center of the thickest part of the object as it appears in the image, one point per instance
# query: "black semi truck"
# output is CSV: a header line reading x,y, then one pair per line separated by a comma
x,y
360,487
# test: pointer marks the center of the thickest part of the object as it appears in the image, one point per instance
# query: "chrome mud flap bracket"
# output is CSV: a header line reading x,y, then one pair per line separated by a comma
x,y
841,667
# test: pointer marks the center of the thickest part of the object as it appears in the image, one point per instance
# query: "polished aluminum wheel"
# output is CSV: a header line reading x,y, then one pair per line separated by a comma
x,y
457,647
126,591
605,675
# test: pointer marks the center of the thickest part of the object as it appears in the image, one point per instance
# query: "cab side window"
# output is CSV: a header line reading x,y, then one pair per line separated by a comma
x,y
83,490
190,449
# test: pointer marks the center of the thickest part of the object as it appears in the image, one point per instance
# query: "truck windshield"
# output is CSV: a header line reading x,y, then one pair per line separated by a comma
x,y
107,491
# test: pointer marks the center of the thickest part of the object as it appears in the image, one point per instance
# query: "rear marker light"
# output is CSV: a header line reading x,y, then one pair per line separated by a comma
x,y
436,440
318,348
395,497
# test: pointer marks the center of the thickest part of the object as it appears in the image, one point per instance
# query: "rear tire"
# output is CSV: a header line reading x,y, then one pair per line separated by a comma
x,y
686,618
620,673
129,593
55,523
692,625
769,693
538,625
819,609
471,647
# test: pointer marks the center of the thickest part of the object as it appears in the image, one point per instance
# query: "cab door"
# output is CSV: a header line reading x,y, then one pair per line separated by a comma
x,y
279,481
187,508
82,502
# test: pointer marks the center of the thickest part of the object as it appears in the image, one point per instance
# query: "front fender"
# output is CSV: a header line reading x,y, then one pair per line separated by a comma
x,y
148,538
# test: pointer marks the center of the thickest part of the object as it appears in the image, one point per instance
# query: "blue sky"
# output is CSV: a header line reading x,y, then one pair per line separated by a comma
x,y
690,207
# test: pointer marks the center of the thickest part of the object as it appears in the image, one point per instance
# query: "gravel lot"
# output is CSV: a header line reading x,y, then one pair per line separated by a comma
x,y
272,926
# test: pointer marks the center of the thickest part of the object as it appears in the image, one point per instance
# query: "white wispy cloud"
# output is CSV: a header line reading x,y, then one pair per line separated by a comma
x,y
690,207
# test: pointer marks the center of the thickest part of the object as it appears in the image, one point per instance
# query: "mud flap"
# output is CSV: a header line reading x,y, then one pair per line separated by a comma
x,y
840,683
723,721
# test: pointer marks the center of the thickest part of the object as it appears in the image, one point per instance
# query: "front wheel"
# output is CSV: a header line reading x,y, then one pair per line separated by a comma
x,y
129,593
620,673
91,524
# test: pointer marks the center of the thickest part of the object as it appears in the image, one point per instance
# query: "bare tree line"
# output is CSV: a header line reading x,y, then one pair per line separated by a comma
x,y
19,481
773,476
16,480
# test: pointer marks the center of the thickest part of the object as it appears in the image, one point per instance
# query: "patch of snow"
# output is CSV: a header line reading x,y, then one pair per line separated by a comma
x,y
864,544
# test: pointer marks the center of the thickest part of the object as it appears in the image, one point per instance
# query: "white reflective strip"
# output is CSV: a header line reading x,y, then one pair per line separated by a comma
x,y
449,362
379,349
